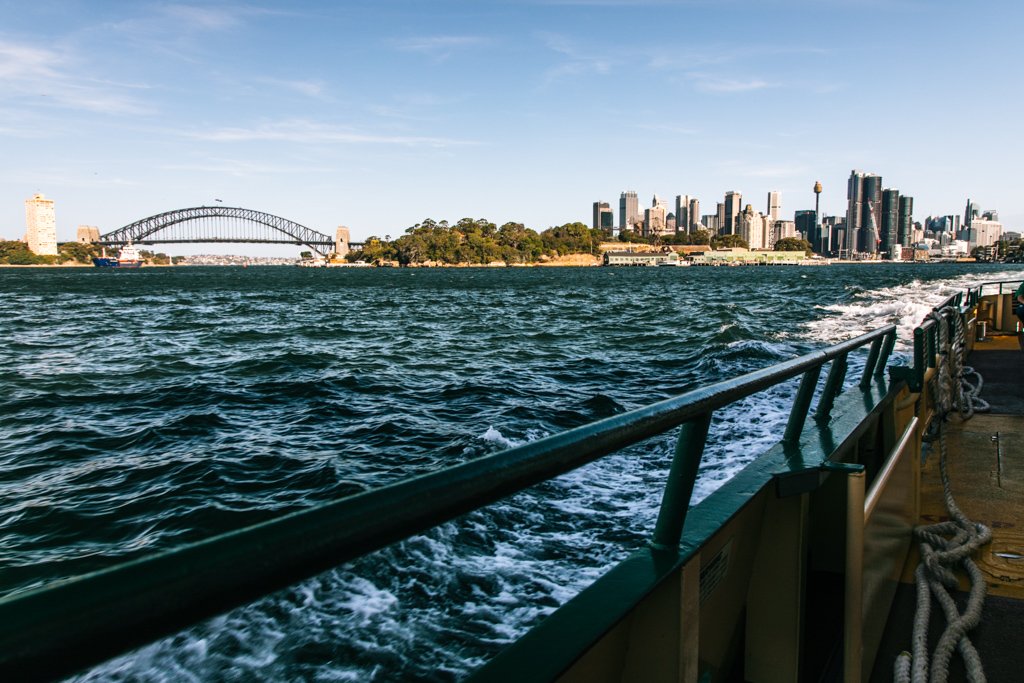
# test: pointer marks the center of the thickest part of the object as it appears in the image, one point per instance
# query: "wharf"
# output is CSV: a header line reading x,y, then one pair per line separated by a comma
x,y
988,486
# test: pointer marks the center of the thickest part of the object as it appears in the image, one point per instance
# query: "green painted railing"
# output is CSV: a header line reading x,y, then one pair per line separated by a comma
x,y
60,628
928,334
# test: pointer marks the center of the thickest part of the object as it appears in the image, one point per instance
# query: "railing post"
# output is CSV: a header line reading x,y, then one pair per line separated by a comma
x,y
869,366
833,385
888,343
675,502
801,405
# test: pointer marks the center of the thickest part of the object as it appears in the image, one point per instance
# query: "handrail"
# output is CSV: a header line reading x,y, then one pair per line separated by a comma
x,y
60,628
926,335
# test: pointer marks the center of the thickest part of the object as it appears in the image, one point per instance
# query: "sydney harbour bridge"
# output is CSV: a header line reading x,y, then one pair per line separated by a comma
x,y
226,224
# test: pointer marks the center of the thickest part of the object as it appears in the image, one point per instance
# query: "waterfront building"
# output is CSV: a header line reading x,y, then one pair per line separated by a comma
x,y
629,210
41,225
732,211
889,227
640,258
774,205
88,234
863,190
604,219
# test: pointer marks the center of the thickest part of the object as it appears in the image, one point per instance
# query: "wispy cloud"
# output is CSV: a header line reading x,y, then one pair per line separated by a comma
x,y
667,128
241,168
709,83
315,89
577,61
44,77
747,169
204,18
438,47
310,132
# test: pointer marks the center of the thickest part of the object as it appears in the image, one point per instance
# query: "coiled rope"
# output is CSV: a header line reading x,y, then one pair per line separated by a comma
x,y
947,545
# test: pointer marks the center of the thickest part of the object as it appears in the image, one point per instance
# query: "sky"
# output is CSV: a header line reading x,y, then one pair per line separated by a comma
x,y
377,115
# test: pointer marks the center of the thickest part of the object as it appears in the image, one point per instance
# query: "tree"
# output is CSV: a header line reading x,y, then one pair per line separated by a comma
x,y
728,241
793,244
305,254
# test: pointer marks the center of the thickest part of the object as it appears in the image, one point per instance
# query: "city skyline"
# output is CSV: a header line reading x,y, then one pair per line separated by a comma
x,y
380,117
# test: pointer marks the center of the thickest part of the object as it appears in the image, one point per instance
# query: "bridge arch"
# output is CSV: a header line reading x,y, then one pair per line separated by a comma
x,y
219,224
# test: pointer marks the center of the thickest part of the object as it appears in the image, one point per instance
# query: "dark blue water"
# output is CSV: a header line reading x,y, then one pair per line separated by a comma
x,y
143,410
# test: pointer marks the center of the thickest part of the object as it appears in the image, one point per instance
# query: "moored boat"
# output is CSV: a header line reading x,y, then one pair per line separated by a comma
x,y
127,257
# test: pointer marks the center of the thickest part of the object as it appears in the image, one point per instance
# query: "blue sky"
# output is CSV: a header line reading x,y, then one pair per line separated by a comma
x,y
377,115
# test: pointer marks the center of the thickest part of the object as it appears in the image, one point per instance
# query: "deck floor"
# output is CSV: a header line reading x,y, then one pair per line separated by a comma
x,y
988,486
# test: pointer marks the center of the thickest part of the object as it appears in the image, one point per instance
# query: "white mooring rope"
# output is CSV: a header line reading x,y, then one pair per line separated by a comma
x,y
946,545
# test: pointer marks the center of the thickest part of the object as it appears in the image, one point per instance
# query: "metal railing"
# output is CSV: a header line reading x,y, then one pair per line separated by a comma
x,y
927,335
60,628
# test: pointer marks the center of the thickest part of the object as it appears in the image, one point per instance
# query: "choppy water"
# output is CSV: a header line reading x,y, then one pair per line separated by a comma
x,y
143,410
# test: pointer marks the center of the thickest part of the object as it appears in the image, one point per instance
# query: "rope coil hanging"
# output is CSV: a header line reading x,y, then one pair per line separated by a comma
x,y
947,545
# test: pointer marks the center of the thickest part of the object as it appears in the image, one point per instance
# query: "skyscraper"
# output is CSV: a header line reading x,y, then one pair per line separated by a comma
x,y
774,205
682,213
861,189
970,213
603,217
629,209
41,225
807,225
732,210
694,216
905,225
889,227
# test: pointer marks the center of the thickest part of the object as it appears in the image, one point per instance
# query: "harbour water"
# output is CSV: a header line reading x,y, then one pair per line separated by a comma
x,y
143,410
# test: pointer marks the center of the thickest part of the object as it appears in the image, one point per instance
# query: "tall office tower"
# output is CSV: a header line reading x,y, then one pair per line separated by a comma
x,y
603,217
905,225
870,236
670,225
781,230
861,189
41,222
971,212
683,213
732,210
889,233
985,232
629,209
654,219
694,225
807,225
752,227
720,213
710,222
774,205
